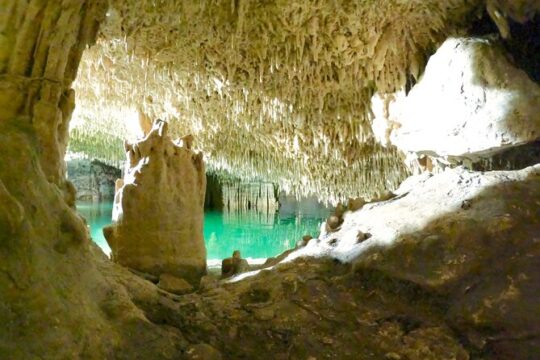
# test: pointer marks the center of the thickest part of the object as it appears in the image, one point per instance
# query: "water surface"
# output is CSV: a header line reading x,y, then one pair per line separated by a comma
x,y
256,235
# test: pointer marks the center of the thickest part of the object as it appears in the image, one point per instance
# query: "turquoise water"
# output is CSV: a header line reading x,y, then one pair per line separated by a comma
x,y
256,235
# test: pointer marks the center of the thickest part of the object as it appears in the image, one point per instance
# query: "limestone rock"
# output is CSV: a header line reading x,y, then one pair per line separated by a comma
x,y
174,284
56,300
444,234
471,99
356,204
93,180
159,211
234,265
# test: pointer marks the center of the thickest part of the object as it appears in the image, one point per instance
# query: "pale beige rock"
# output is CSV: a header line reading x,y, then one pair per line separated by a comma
x,y
471,100
159,211
174,284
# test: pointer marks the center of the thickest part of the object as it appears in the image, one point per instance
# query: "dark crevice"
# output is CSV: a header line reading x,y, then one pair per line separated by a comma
x,y
523,46
514,158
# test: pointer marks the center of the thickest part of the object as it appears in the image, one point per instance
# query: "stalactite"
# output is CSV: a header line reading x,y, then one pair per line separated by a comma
x,y
232,75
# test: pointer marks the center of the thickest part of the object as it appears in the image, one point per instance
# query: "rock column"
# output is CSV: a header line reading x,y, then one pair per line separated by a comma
x,y
159,210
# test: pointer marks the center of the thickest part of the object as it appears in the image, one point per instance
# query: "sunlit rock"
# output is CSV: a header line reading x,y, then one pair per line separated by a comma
x,y
470,237
470,101
159,211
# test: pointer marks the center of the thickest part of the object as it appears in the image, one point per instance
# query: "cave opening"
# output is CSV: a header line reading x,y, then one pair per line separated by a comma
x,y
421,130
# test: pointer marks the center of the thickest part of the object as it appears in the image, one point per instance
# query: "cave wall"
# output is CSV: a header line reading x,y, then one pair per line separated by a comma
x,y
92,179
55,302
250,196
214,193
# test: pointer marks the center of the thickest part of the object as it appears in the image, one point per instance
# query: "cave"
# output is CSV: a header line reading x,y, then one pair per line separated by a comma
x,y
405,134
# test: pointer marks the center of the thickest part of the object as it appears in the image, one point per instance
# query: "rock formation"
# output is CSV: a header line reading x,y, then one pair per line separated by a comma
x,y
229,194
447,269
299,72
58,295
468,239
471,103
234,265
93,180
159,210
250,196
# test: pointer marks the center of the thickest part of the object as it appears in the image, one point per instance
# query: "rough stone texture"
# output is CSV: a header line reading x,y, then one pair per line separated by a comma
x,y
159,210
460,285
471,100
92,179
517,10
202,352
234,265
469,237
250,196
55,301
278,90
174,284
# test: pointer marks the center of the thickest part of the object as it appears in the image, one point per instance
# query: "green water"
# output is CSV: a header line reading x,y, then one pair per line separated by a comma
x,y
255,235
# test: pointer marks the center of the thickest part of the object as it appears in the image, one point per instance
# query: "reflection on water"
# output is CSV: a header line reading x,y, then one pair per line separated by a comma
x,y
255,234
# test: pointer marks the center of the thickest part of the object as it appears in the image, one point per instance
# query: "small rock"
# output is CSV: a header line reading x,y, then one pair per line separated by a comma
x,y
305,240
333,222
174,284
203,352
234,265
466,204
356,204
392,356
340,210
327,341
361,236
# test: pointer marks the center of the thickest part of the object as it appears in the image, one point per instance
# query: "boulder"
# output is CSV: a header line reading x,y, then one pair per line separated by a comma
x,y
471,100
159,210
234,265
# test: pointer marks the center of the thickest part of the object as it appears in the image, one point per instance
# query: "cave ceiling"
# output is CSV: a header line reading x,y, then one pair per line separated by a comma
x,y
272,89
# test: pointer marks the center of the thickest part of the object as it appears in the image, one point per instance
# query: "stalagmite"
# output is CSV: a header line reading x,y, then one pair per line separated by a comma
x,y
57,295
159,210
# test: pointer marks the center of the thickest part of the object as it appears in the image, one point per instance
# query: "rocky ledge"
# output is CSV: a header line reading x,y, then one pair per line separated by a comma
x,y
458,280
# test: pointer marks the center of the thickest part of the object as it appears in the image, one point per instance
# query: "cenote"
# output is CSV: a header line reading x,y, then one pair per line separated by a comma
x,y
257,235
